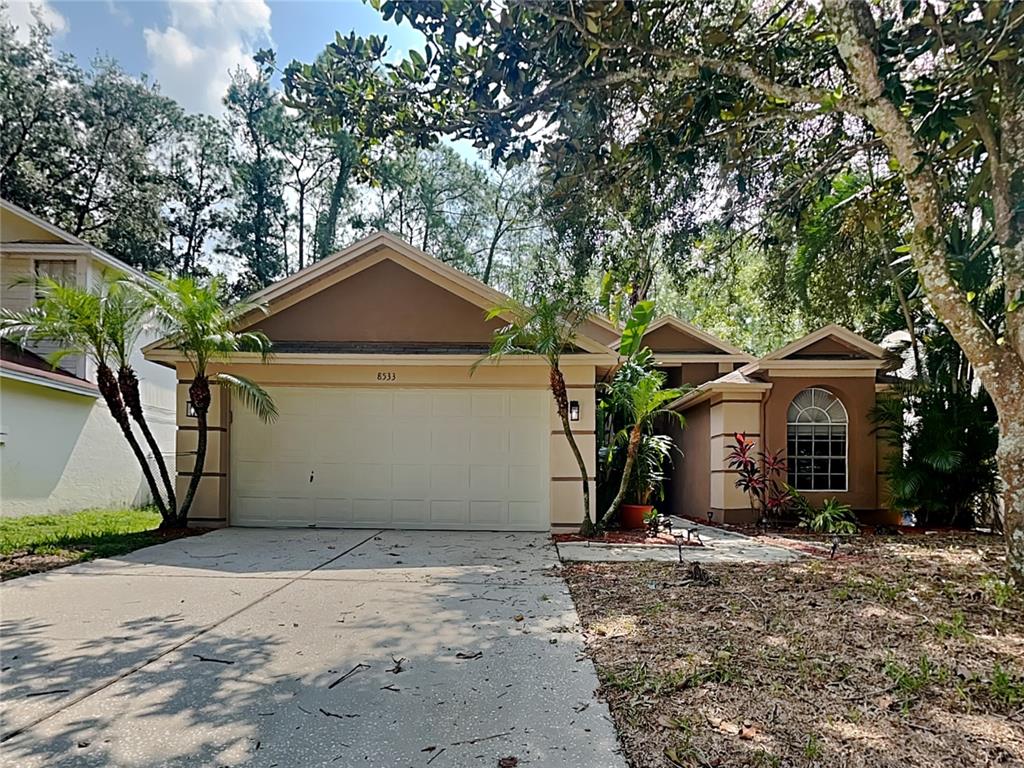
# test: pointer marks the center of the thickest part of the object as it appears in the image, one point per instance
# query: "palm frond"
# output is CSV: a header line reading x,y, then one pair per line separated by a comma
x,y
252,395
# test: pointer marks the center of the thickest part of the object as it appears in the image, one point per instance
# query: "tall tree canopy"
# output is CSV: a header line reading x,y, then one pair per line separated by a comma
x,y
762,104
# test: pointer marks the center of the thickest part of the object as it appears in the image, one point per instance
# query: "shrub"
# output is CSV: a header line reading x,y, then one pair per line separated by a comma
x,y
759,475
833,517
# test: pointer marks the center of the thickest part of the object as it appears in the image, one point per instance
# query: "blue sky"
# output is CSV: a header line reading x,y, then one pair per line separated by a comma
x,y
189,46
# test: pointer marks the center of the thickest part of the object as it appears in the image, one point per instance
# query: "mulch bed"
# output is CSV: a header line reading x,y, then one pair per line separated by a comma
x,y
908,652
17,564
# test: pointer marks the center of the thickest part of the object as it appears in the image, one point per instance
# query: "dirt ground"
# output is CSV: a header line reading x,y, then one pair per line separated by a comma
x,y
905,651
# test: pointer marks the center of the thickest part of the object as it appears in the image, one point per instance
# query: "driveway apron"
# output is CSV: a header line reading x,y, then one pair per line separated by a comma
x,y
303,648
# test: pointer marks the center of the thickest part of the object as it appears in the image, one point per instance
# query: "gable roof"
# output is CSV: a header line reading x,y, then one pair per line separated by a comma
x,y
372,250
843,335
687,329
79,245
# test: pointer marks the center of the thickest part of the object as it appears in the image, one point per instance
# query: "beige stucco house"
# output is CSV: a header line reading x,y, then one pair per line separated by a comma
x,y
384,422
60,450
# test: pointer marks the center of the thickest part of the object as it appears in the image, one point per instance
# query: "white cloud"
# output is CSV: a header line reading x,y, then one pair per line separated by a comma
x,y
193,56
23,15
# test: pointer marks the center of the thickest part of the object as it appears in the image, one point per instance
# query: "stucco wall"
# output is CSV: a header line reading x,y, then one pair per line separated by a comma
x,y
63,453
384,302
858,396
689,490
668,339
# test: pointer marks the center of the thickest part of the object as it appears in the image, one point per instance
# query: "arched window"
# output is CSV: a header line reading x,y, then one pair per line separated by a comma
x,y
816,441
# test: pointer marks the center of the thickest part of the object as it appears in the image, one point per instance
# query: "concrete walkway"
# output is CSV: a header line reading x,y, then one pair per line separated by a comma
x,y
720,546
302,648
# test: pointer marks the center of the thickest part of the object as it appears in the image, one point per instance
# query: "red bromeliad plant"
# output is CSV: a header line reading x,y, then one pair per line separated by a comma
x,y
761,478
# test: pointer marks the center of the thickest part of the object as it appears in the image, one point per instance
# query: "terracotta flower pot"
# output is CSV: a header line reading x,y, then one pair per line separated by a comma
x,y
631,516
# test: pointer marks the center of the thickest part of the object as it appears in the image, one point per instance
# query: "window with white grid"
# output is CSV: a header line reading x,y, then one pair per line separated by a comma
x,y
816,441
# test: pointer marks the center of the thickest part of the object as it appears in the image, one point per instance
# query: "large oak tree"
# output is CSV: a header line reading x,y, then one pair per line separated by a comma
x,y
759,102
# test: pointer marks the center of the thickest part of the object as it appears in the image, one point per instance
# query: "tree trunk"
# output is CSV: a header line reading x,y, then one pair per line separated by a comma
x,y
562,405
999,367
627,471
107,384
1010,456
199,395
129,386
302,227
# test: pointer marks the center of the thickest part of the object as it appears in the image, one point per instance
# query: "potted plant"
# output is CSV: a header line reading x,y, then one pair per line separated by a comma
x,y
637,396
646,483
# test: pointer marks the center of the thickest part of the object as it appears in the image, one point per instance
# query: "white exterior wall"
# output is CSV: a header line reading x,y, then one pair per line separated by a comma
x,y
63,452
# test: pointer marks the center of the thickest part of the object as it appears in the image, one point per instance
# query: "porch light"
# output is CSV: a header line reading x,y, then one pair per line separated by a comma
x,y
574,410
190,409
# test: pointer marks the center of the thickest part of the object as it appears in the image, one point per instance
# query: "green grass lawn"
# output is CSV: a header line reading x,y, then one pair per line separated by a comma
x,y
41,542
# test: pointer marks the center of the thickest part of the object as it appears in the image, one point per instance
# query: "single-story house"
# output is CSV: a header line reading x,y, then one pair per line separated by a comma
x,y
385,422
60,450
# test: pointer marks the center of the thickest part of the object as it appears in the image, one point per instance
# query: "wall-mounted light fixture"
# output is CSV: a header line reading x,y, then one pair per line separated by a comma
x,y
574,410
190,410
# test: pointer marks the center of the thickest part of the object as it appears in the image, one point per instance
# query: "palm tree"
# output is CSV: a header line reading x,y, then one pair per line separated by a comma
x,y
83,321
642,402
126,314
201,327
548,328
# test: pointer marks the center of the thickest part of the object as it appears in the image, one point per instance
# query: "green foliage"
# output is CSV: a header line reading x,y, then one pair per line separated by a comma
x,y
77,146
96,529
196,322
832,517
943,466
999,591
79,536
256,224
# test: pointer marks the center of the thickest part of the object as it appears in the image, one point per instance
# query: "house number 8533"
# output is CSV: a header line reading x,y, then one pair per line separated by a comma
x,y
387,376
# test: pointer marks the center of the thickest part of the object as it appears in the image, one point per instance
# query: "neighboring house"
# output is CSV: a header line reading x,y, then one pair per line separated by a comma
x,y
60,450
384,422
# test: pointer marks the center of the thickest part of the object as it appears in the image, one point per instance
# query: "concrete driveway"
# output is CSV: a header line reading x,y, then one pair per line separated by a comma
x,y
302,648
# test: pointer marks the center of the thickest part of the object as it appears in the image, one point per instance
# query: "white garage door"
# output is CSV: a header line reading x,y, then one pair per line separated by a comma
x,y
402,458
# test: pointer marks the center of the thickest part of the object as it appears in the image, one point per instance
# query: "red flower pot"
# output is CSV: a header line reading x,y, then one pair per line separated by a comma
x,y
631,516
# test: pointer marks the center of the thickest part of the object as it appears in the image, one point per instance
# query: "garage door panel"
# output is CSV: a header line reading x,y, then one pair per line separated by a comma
x,y
484,513
371,511
526,442
525,405
449,442
368,480
488,481
489,405
450,405
449,480
329,511
411,440
489,443
529,512
449,512
417,458
262,478
411,480
527,482
410,404
410,511
278,511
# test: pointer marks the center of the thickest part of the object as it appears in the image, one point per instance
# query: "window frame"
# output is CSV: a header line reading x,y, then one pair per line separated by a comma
x,y
793,424
37,262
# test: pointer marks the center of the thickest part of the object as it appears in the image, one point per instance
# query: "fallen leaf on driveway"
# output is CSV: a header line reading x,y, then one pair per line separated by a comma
x,y
464,655
508,762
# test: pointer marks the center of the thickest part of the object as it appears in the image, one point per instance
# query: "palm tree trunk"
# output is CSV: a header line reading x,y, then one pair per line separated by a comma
x,y
199,394
129,385
562,404
627,471
107,384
